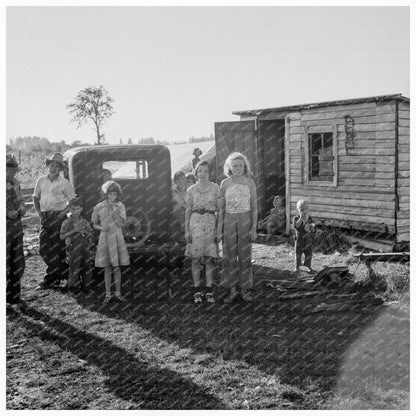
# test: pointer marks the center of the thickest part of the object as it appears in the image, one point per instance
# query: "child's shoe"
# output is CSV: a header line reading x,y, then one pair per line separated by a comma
x,y
197,298
210,298
310,270
120,298
106,300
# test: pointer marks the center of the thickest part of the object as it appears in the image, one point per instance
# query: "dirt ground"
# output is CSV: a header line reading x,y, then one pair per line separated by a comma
x,y
318,360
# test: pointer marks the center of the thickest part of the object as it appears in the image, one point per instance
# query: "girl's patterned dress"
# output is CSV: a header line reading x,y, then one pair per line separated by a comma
x,y
111,248
203,222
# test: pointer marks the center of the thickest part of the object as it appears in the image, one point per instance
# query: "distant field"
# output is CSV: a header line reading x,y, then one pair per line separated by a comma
x,y
181,154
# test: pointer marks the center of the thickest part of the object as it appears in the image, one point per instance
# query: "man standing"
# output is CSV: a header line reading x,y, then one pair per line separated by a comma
x,y
50,198
15,209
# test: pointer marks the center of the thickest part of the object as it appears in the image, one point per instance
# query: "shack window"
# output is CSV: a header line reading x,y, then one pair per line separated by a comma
x,y
127,169
321,157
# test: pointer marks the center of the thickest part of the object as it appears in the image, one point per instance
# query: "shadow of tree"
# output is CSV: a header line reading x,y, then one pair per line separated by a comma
x,y
147,386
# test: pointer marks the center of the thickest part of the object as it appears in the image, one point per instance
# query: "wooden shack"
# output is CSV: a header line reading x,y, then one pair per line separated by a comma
x,y
348,158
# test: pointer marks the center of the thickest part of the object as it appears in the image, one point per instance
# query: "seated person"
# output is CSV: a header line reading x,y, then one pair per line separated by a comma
x,y
276,220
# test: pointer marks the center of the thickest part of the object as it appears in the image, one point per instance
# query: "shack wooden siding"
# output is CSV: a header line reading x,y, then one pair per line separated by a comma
x,y
365,192
403,182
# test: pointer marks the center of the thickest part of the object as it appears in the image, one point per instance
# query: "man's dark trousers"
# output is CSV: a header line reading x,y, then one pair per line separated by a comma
x,y
15,259
52,248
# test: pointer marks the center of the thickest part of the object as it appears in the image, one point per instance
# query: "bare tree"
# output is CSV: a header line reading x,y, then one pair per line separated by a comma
x,y
92,103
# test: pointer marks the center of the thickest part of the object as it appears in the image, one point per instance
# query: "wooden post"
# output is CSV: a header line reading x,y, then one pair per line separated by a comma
x,y
287,172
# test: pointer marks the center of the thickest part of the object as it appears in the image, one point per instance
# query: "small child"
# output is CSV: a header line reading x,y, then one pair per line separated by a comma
x,y
304,228
203,230
108,217
190,179
277,218
78,236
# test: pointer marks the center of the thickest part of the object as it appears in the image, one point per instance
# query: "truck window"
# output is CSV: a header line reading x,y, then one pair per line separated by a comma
x,y
127,169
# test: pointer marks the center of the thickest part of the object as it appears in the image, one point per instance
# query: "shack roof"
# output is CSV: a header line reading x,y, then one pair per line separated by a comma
x,y
321,104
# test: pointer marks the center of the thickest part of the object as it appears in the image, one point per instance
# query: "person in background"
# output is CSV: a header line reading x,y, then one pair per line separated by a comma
x,y
78,236
50,199
304,228
15,260
240,222
190,179
106,175
196,153
202,229
179,207
108,217
276,220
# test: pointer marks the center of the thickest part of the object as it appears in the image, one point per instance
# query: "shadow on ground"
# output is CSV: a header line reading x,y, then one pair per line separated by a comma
x,y
144,385
282,338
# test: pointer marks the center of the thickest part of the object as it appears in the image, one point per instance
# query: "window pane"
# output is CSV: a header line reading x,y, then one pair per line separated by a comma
x,y
321,158
127,169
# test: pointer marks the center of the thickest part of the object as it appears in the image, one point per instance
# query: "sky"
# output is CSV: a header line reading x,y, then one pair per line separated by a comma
x,y
175,71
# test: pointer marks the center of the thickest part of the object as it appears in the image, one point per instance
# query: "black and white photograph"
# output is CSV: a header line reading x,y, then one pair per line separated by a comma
x,y
207,206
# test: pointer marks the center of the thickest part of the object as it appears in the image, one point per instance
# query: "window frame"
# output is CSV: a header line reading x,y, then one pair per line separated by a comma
x,y
321,129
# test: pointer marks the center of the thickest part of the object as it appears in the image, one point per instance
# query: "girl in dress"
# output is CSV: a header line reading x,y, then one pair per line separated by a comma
x,y
108,217
240,221
203,229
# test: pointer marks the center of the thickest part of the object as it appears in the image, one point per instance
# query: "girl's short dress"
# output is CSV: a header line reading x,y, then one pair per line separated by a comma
x,y
111,248
203,222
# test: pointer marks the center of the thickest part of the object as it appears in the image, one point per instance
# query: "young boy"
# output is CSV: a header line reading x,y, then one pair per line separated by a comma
x,y
304,228
277,218
78,235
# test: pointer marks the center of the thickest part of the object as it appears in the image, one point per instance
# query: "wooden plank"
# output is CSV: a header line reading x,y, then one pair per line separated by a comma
x,y
403,182
356,175
372,244
344,107
357,167
404,114
367,194
386,135
404,131
403,140
403,191
404,206
403,105
385,107
404,122
374,213
403,237
388,219
404,165
404,157
354,203
355,225
327,114
404,216
361,187
404,174
295,130
383,183
385,126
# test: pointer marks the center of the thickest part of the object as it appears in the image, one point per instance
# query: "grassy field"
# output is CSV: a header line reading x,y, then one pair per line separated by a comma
x,y
159,352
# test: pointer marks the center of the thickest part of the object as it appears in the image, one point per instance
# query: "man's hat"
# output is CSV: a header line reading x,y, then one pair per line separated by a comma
x,y
56,157
11,161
